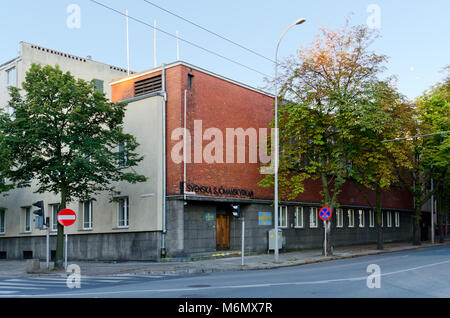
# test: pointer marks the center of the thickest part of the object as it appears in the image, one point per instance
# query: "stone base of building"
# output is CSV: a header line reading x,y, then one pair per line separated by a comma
x,y
196,226
206,224
136,246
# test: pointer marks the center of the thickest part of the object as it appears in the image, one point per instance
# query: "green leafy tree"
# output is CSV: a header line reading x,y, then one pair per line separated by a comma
x,y
324,94
65,135
434,117
382,119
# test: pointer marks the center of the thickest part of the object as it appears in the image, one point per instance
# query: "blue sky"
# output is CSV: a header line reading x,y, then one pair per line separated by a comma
x,y
414,33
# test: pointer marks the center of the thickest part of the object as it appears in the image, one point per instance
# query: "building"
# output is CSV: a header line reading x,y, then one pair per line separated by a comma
x,y
13,72
185,207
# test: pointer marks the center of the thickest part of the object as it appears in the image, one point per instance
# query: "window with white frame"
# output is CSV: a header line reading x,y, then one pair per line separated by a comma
x,y
27,219
122,212
2,221
397,219
282,216
361,218
123,159
87,215
371,218
299,217
313,222
11,77
351,218
389,219
339,218
55,208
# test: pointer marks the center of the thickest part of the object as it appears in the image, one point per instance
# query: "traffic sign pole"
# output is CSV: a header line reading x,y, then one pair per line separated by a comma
x,y
66,217
325,215
65,256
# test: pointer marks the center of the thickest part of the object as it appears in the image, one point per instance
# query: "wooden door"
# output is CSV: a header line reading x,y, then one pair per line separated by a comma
x,y
222,232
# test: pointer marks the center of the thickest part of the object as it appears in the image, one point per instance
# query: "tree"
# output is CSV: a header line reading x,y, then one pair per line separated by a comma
x,y
434,116
5,162
65,135
324,93
384,116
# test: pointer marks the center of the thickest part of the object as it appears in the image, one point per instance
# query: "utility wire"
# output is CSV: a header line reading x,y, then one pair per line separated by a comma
x,y
181,39
418,136
209,31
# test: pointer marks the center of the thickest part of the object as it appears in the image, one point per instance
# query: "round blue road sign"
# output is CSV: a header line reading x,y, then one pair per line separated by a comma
x,y
325,214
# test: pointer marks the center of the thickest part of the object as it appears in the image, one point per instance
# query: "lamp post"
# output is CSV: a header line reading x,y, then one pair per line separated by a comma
x,y
299,21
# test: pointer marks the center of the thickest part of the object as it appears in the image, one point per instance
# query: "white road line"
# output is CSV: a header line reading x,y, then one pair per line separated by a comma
x,y
21,287
5,292
238,286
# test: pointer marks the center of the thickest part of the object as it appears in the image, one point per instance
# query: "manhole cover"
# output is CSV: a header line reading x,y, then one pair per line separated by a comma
x,y
198,286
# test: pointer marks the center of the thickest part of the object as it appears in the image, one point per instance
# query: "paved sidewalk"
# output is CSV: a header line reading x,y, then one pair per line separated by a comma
x,y
213,263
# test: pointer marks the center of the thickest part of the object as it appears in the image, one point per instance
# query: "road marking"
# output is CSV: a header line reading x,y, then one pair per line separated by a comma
x,y
21,287
4,292
235,286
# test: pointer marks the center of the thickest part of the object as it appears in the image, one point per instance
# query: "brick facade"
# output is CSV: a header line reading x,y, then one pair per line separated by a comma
x,y
221,103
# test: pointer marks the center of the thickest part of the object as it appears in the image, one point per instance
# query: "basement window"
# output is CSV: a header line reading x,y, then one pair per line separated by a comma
x,y
148,85
27,254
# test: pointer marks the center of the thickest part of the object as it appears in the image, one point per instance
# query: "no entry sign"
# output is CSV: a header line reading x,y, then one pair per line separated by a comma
x,y
67,217
325,213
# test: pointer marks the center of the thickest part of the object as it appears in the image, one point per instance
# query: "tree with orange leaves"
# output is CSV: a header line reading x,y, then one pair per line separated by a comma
x,y
330,104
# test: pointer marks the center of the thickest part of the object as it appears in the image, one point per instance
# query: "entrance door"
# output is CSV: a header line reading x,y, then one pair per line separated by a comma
x,y
222,232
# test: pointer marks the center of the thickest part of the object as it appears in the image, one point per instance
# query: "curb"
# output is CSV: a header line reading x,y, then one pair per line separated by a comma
x,y
205,270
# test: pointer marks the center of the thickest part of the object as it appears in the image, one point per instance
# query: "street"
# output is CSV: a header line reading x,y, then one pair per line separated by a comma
x,y
415,273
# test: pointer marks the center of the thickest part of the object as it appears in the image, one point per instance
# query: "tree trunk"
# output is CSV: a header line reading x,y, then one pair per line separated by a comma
x,y
59,261
328,202
380,242
441,211
329,247
416,225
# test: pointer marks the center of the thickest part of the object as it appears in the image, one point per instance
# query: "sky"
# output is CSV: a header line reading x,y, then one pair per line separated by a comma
x,y
414,33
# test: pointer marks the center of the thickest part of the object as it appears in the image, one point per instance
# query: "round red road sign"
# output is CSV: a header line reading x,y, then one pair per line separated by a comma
x,y
325,213
67,217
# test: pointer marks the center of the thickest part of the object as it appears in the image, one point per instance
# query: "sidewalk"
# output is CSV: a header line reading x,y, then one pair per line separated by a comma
x,y
214,263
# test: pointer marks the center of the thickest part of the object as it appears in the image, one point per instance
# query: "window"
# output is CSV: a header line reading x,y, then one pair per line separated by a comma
x,y
339,218
371,218
55,208
382,218
98,85
27,219
122,212
397,219
389,219
2,221
11,77
190,78
313,218
299,217
282,216
351,218
123,159
361,218
87,215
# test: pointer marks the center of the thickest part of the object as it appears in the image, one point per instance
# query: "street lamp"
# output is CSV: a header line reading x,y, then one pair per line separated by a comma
x,y
298,22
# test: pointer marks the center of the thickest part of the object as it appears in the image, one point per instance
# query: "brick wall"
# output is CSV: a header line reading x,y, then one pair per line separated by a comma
x,y
222,104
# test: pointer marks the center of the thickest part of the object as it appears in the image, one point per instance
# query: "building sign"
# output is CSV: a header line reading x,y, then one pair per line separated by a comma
x,y
218,190
264,218
209,216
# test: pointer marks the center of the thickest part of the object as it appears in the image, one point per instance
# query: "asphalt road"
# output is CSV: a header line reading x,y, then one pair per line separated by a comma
x,y
415,273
